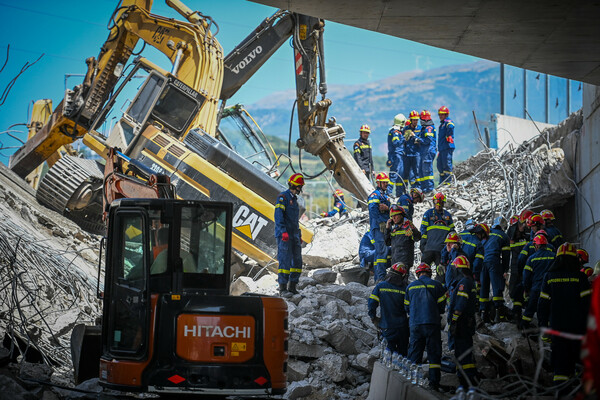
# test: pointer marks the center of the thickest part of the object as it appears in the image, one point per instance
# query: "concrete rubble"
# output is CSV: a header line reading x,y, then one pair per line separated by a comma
x,y
48,269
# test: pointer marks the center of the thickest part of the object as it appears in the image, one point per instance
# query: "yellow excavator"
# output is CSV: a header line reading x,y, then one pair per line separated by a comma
x,y
178,125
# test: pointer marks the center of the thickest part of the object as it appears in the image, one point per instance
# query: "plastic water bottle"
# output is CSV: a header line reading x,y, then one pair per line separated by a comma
x,y
419,374
383,347
407,368
472,394
460,393
413,374
424,377
387,358
396,361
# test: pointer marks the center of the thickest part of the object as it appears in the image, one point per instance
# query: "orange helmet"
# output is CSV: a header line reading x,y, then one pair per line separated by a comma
x,y
514,219
485,228
425,115
338,193
414,114
547,215
461,262
453,237
423,268
399,268
540,239
535,219
365,128
524,216
443,110
382,177
439,197
396,209
583,255
567,249
296,180
588,271
418,192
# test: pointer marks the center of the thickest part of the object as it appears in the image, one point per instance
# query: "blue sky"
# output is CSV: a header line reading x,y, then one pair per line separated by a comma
x,y
69,31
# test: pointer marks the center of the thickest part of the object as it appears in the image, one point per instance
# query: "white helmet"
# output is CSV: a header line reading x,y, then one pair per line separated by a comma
x,y
399,120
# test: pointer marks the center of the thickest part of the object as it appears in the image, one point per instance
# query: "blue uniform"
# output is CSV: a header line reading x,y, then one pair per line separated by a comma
x,y
338,207
435,226
366,249
394,323
363,155
473,248
464,300
427,154
496,260
411,156
377,217
395,153
406,202
533,276
555,238
446,149
401,239
425,301
289,254
452,276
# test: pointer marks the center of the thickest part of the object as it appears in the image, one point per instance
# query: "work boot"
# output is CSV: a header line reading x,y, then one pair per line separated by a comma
x,y
283,292
292,287
517,314
501,314
485,317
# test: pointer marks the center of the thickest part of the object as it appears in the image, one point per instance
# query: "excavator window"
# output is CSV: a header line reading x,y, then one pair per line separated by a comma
x,y
175,109
238,135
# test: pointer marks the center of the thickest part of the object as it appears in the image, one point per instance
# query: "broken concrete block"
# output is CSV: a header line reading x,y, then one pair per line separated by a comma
x,y
332,247
297,390
334,366
323,275
297,370
364,362
341,338
335,310
337,291
297,349
243,284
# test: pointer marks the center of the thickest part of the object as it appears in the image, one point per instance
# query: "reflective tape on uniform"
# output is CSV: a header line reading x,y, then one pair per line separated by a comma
x,y
544,296
443,298
468,366
479,256
435,366
280,206
374,201
298,270
585,293
497,298
283,271
463,294
374,297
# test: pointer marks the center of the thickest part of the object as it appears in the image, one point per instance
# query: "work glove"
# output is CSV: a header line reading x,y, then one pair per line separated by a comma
x,y
376,321
440,270
285,237
449,139
324,214
388,163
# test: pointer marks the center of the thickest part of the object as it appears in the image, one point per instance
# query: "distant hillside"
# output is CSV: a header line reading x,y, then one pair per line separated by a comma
x,y
463,88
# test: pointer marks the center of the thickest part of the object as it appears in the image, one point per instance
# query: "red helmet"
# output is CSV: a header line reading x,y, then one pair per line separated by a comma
x,y
461,262
414,114
439,197
296,180
418,192
583,255
425,115
567,249
443,110
524,216
535,219
542,232
453,237
382,177
396,209
540,239
588,271
514,219
547,215
365,128
485,228
338,193
423,268
407,123
399,268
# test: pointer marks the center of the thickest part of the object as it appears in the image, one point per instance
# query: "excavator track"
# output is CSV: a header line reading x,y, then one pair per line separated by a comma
x,y
63,181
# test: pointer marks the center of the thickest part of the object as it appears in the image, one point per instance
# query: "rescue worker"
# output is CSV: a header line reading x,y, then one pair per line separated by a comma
x,y
472,245
445,146
412,144
535,222
496,261
555,238
363,154
401,235
583,257
435,226
452,249
563,306
461,319
288,235
427,152
518,233
393,323
366,250
395,154
379,211
425,301
339,206
533,276
407,201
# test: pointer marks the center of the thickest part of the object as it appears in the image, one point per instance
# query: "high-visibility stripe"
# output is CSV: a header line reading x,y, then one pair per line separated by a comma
x,y
497,298
463,294
518,244
468,366
585,293
542,258
374,201
283,271
435,366
528,268
406,302
280,206
526,318
374,297
425,223
391,290
299,270
517,303
544,296
479,256
505,248
483,300
455,317
560,378
443,298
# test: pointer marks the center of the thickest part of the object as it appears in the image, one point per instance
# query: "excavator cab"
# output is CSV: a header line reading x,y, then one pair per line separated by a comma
x,y
169,324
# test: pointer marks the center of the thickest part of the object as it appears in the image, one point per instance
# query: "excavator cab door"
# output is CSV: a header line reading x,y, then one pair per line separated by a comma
x,y
127,295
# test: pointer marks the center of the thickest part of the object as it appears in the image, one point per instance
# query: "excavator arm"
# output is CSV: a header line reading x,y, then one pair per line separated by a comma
x,y
318,136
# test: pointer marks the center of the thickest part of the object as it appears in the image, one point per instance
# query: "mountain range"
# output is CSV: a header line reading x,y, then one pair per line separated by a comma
x,y
462,88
